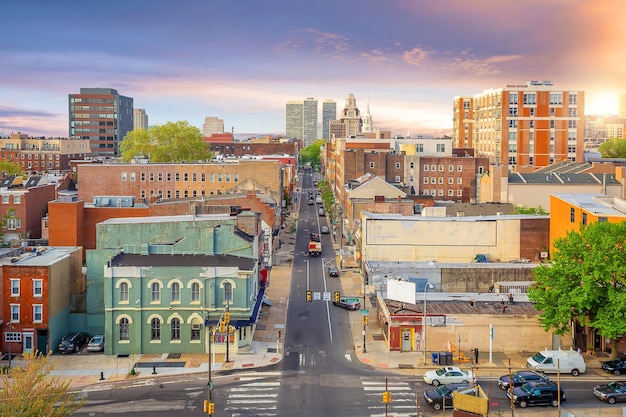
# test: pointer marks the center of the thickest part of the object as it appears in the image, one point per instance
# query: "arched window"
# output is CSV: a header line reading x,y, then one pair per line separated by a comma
x,y
175,329
175,291
124,329
156,291
195,292
228,292
124,291
195,329
155,329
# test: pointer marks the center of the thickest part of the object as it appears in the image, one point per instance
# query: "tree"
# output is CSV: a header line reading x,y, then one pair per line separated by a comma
x,y
10,169
30,391
613,148
530,210
171,142
585,281
311,154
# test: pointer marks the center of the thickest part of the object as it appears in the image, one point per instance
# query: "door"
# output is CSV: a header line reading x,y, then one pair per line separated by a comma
x,y
28,342
406,340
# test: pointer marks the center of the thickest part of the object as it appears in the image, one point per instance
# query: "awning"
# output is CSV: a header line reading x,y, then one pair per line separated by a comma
x,y
253,317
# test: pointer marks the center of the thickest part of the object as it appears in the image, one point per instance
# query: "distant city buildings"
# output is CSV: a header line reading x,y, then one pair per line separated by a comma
x,y
621,112
101,116
140,119
533,124
212,125
329,112
350,122
301,120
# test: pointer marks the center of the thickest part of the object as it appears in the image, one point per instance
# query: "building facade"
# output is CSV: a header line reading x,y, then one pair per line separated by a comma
x,y
534,124
301,120
140,119
329,112
101,116
349,123
212,125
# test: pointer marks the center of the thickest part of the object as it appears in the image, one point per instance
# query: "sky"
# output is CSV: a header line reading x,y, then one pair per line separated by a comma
x,y
243,60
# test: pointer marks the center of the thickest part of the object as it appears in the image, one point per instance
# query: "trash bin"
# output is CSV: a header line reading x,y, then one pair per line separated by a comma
x,y
435,358
445,358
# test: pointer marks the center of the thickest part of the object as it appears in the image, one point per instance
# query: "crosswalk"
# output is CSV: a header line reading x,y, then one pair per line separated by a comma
x,y
402,397
255,396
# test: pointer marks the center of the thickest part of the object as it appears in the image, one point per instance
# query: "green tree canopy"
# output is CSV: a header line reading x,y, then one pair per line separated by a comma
x,y
530,210
613,148
311,154
585,281
171,142
29,390
10,169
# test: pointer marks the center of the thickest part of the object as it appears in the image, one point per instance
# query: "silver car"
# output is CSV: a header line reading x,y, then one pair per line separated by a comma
x,y
96,344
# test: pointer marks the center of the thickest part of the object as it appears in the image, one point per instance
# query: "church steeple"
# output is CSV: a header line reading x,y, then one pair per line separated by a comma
x,y
368,123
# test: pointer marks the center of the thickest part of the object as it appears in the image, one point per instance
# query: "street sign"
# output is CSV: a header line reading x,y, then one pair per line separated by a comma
x,y
326,296
365,312
351,300
317,295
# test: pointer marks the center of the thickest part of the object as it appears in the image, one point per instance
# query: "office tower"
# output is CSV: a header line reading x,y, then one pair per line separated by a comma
x,y
140,119
309,121
294,127
101,116
329,112
368,122
212,125
621,112
533,124
350,123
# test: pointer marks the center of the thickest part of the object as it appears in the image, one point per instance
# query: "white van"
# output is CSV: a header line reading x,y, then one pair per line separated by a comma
x,y
552,361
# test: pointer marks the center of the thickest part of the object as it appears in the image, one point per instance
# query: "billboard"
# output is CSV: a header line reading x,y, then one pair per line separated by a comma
x,y
403,291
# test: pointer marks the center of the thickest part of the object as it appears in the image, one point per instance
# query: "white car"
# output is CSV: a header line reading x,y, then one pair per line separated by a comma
x,y
448,375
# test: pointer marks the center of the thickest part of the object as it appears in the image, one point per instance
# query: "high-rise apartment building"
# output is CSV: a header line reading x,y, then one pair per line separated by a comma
x,y
301,120
140,119
212,125
533,124
329,112
621,111
350,122
101,116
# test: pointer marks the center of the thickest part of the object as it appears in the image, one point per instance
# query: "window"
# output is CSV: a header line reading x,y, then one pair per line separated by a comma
x,y
143,176
37,313
602,219
124,329
419,148
513,123
513,98
371,165
441,147
186,177
160,176
5,199
211,177
530,98
37,288
195,292
532,124
15,337
425,167
397,178
584,218
450,180
440,193
573,112
155,329
450,193
556,98
459,193
194,177
440,180
132,176
572,215
552,111
228,292
459,180
397,165
433,180
175,329
573,99
124,176
168,177
236,177
195,329
440,168
551,124
177,176
156,292
124,291
450,168
152,177
15,287
433,168
176,292
459,168
412,165
513,111
15,313
425,180
571,124
219,177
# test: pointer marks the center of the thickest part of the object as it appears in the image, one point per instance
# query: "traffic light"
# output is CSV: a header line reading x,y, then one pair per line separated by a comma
x,y
386,397
367,320
231,329
226,316
309,296
337,296
221,324
209,407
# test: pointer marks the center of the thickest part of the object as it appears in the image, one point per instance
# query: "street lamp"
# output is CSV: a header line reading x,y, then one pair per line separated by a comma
x,y
426,287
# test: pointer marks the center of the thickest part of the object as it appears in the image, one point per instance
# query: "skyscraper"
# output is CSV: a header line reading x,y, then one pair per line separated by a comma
x,y
212,125
140,119
532,124
101,116
329,112
350,122
301,120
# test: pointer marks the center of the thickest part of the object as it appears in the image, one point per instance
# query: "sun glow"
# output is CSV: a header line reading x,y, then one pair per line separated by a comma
x,y
601,103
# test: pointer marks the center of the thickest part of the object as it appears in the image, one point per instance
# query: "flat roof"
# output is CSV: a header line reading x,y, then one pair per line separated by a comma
x,y
596,203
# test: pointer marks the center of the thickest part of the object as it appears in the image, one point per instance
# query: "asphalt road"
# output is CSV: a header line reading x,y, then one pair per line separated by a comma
x,y
319,375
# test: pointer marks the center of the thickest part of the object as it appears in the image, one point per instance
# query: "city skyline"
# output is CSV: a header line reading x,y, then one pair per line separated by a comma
x,y
242,61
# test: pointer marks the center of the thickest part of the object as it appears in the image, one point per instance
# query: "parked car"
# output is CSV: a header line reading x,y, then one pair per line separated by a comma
x,y
333,271
73,342
448,375
311,202
537,393
320,211
441,396
520,378
616,366
325,230
612,392
348,304
96,344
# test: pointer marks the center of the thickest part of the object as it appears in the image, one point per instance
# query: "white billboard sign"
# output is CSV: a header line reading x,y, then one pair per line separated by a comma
x,y
403,291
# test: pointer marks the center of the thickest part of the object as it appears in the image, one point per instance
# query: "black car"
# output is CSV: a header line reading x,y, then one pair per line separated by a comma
x,y
537,393
520,378
615,366
441,396
612,392
333,272
73,342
